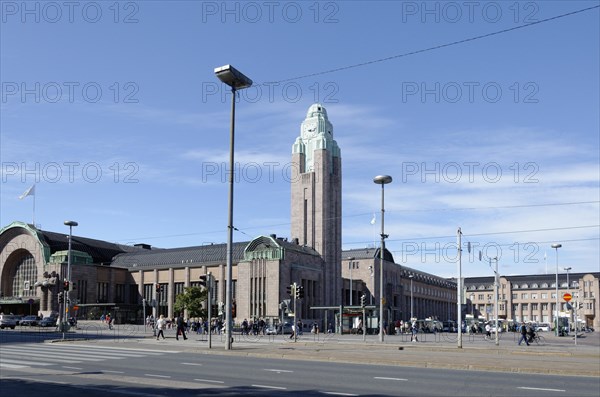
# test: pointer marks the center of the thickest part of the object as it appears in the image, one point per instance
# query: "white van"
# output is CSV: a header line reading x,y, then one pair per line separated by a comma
x,y
8,321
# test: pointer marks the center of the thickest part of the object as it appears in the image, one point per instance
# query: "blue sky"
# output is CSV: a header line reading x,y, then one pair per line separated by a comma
x,y
113,111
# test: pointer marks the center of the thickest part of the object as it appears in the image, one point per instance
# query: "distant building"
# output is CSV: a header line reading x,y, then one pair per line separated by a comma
x,y
137,279
533,297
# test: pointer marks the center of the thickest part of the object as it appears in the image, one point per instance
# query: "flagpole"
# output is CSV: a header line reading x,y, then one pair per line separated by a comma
x,y
34,209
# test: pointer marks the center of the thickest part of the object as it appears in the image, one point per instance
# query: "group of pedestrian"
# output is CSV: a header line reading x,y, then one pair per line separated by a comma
x,y
527,333
254,326
108,320
162,324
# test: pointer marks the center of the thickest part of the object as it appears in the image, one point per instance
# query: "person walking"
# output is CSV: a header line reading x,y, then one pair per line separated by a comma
x,y
414,332
530,333
523,330
180,327
160,325
488,331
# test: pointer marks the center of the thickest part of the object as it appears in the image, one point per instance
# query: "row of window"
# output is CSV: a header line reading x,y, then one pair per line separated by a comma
x,y
574,284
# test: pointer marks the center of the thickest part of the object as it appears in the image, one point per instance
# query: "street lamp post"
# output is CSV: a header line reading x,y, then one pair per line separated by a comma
x,y
350,259
568,285
496,301
568,290
411,296
382,180
66,296
556,246
459,291
237,81
472,305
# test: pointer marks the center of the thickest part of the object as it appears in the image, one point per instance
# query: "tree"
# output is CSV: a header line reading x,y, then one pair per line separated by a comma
x,y
191,300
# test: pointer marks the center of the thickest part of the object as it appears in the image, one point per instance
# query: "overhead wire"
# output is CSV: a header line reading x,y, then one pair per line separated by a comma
x,y
433,48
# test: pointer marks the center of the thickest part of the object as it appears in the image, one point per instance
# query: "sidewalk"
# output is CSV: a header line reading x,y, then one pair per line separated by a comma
x,y
557,356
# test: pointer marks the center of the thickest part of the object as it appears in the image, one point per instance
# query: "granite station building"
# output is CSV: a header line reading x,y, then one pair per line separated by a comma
x,y
33,262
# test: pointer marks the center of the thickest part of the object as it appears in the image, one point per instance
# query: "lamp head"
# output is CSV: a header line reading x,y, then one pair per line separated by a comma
x,y
556,245
232,77
382,179
71,223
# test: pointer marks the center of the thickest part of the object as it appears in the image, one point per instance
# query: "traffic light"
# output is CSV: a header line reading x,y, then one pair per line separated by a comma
x,y
363,299
299,292
204,281
74,286
290,289
66,285
60,297
233,309
157,287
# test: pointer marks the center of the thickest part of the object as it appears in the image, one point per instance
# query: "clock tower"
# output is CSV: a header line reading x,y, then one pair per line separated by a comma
x,y
316,207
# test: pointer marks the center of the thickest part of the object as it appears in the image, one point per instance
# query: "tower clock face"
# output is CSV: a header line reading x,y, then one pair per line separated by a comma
x,y
310,129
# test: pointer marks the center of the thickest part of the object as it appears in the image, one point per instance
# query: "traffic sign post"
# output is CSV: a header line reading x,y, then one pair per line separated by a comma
x,y
567,298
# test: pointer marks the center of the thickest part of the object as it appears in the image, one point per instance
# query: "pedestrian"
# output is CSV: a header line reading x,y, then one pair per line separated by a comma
x,y
160,324
293,331
414,331
488,331
523,330
180,327
530,333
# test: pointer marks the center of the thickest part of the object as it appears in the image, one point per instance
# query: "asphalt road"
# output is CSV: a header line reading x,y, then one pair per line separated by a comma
x,y
98,369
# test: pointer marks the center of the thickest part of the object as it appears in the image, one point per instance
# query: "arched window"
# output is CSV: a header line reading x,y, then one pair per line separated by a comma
x,y
544,285
25,277
534,285
524,286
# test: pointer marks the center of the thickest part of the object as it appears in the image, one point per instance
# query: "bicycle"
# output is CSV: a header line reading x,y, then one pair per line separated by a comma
x,y
539,340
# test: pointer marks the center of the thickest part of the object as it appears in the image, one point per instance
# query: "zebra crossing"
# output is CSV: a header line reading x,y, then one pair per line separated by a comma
x,y
35,355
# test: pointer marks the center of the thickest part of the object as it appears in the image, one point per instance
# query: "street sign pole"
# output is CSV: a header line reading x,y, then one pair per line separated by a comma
x,y
567,298
294,287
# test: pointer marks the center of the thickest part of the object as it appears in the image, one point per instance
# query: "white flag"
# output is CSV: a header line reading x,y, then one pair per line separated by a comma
x,y
28,192
373,220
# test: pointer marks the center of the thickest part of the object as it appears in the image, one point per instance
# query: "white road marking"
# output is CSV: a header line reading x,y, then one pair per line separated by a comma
x,y
4,360
541,389
270,387
209,380
191,364
157,376
279,370
384,378
13,366
112,372
76,368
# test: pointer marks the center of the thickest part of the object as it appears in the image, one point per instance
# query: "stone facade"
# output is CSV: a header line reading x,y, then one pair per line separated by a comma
x,y
316,198
533,297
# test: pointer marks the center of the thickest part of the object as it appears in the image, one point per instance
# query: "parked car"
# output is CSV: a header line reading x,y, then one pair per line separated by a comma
x,y
449,326
545,327
8,321
48,322
29,321
274,330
